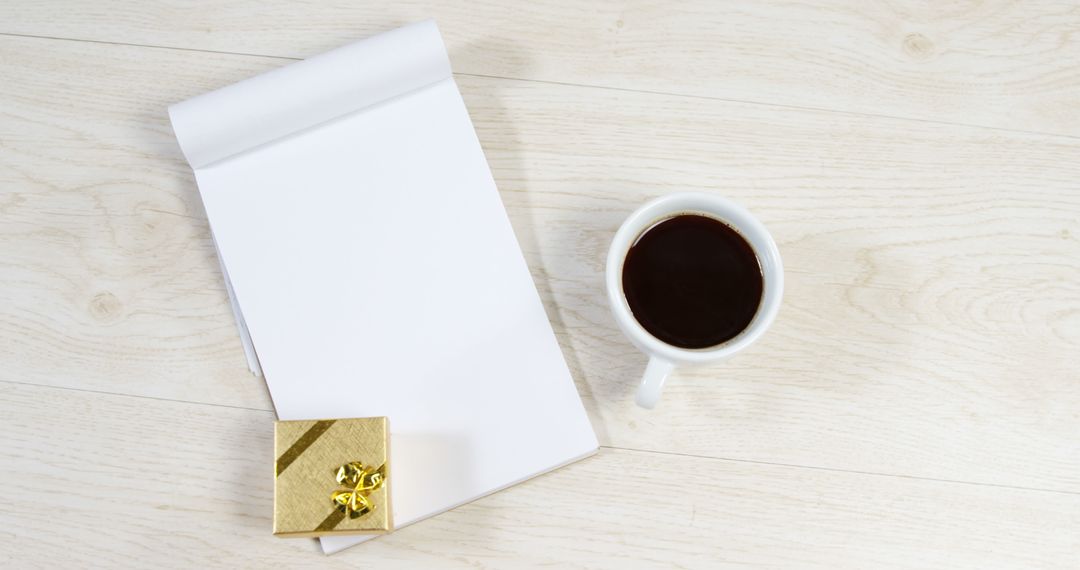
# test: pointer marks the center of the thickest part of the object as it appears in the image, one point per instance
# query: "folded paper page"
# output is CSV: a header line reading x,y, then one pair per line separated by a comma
x,y
376,271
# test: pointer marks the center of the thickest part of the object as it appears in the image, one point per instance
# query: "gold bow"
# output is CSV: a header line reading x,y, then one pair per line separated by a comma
x,y
363,480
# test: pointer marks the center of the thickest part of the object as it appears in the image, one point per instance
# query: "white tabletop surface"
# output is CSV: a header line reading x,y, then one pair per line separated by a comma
x,y
916,404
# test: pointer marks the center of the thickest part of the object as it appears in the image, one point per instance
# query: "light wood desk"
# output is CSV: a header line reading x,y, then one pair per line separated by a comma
x,y
916,404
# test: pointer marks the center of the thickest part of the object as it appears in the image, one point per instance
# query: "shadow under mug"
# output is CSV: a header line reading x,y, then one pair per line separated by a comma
x,y
663,357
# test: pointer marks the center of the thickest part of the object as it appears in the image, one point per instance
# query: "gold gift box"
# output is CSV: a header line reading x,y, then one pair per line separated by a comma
x,y
332,477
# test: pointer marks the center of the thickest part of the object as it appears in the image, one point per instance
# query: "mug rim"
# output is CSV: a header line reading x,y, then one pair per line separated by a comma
x,y
748,226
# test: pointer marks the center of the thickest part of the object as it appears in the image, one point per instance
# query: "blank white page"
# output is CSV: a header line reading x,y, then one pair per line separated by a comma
x,y
378,275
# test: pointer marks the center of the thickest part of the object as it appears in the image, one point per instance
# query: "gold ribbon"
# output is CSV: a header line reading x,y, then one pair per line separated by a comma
x,y
363,480
360,480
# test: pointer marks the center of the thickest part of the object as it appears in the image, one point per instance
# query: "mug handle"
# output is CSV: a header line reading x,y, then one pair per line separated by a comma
x,y
652,382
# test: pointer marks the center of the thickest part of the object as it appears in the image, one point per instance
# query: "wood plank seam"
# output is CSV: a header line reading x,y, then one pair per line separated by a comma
x,y
588,86
613,447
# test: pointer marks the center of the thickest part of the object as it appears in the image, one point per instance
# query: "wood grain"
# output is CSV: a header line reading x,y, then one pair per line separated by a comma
x,y
183,485
917,403
930,326
997,63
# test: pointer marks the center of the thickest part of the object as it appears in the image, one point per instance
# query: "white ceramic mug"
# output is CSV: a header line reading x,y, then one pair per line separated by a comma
x,y
663,357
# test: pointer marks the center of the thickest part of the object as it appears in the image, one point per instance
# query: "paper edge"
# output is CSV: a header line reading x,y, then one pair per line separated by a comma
x,y
591,452
241,325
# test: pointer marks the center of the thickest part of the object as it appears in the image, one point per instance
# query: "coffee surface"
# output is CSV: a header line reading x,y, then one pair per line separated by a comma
x,y
692,281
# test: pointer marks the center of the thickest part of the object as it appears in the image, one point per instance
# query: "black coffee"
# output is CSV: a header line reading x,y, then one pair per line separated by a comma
x,y
692,281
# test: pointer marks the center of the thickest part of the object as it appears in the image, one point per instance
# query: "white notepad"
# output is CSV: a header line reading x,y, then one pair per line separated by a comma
x,y
373,265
